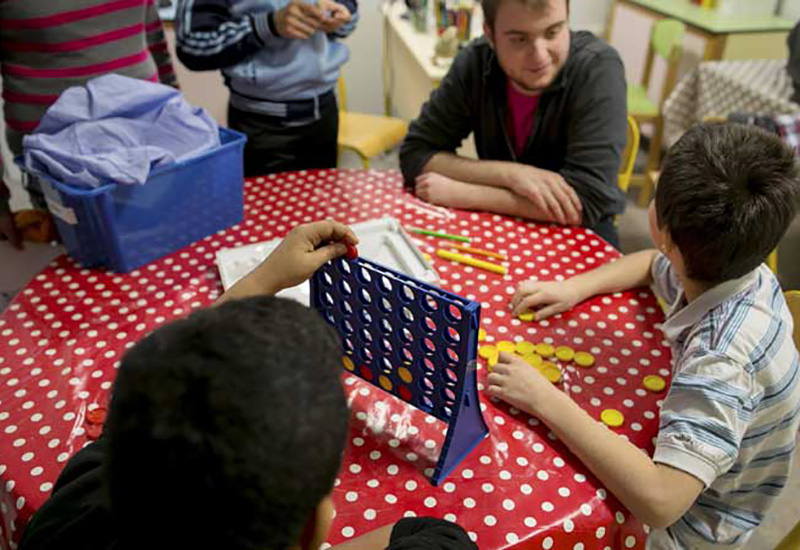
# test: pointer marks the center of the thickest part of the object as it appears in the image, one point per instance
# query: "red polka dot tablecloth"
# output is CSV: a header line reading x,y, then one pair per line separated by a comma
x,y
62,338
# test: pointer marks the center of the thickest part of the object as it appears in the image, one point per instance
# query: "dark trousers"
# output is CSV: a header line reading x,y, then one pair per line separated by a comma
x,y
277,144
608,230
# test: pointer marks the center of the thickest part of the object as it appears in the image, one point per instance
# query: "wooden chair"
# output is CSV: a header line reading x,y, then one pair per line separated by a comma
x,y
629,155
793,301
792,540
666,42
367,135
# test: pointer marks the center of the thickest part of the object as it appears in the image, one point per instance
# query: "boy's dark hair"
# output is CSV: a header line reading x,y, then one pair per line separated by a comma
x,y
726,196
226,429
490,8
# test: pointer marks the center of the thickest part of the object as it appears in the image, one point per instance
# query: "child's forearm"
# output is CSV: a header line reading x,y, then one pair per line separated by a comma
x,y
630,271
656,494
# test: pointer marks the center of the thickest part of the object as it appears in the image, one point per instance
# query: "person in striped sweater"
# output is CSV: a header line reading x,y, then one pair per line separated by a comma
x,y
47,47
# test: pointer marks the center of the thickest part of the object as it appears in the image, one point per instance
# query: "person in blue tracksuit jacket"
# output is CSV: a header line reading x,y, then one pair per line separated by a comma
x,y
280,60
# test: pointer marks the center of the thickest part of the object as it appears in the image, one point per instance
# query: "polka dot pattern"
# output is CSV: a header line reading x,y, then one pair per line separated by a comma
x,y
62,338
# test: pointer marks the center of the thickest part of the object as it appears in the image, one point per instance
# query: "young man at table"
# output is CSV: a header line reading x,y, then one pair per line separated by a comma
x,y
728,424
281,61
548,110
226,430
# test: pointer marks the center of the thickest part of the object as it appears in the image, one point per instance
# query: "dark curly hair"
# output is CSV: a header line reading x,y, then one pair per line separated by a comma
x,y
226,429
726,196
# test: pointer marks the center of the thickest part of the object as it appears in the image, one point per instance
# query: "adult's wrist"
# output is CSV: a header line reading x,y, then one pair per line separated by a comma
x,y
273,28
509,175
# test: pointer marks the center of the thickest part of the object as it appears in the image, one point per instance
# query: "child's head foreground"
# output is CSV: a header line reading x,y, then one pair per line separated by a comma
x,y
725,197
226,430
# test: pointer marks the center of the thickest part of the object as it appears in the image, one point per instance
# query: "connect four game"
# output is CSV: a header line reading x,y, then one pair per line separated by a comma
x,y
413,340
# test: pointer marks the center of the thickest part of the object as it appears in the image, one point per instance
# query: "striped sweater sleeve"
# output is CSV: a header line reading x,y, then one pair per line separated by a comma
x,y
665,280
157,44
211,37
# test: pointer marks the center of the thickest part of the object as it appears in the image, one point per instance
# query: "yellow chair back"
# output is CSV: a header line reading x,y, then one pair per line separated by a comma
x,y
629,155
793,301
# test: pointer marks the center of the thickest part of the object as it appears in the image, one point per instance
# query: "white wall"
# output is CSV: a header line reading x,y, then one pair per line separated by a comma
x,y
363,73
791,9
589,15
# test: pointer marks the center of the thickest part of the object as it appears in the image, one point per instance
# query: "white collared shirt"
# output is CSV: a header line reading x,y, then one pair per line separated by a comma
x,y
731,414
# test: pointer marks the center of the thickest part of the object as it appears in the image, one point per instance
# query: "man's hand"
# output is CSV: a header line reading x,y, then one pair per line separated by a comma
x,y
437,189
548,191
335,14
304,250
299,20
545,299
8,230
520,385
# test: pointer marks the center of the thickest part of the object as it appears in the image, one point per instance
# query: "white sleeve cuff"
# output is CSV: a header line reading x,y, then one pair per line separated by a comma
x,y
261,25
684,460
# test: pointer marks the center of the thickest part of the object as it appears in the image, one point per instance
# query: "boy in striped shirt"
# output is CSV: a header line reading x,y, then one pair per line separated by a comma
x,y
47,47
728,424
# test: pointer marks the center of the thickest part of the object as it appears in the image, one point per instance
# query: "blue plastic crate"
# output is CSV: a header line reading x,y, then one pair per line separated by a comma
x,y
122,227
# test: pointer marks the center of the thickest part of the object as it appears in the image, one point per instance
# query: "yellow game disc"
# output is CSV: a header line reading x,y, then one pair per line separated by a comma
x,y
481,335
385,383
584,359
546,365
612,418
654,383
525,348
527,317
534,360
348,363
506,346
565,353
487,352
405,375
552,373
492,362
545,350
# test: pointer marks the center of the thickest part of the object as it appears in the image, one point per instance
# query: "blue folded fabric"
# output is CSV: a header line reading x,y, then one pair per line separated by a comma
x,y
116,130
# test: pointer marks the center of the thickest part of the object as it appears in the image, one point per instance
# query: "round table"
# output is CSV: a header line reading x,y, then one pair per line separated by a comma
x,y
62,338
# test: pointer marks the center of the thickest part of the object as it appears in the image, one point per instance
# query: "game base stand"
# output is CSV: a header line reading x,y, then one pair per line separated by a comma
x,y
413,340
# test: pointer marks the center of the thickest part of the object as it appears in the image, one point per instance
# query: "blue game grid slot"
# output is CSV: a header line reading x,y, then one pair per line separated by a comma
x,y
415,341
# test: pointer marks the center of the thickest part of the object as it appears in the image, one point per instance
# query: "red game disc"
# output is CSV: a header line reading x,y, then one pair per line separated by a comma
x,y
93,431
352,252
97,416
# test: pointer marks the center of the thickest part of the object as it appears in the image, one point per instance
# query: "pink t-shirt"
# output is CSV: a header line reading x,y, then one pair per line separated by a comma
x,y
521,111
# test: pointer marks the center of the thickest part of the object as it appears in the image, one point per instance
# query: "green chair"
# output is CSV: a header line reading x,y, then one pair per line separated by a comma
x,y
666,42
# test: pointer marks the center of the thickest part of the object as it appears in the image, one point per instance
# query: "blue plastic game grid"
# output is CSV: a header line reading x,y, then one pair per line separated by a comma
x,y
412,340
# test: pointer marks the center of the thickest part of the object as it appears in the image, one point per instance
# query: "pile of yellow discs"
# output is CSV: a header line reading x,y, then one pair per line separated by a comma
x,y
538,356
